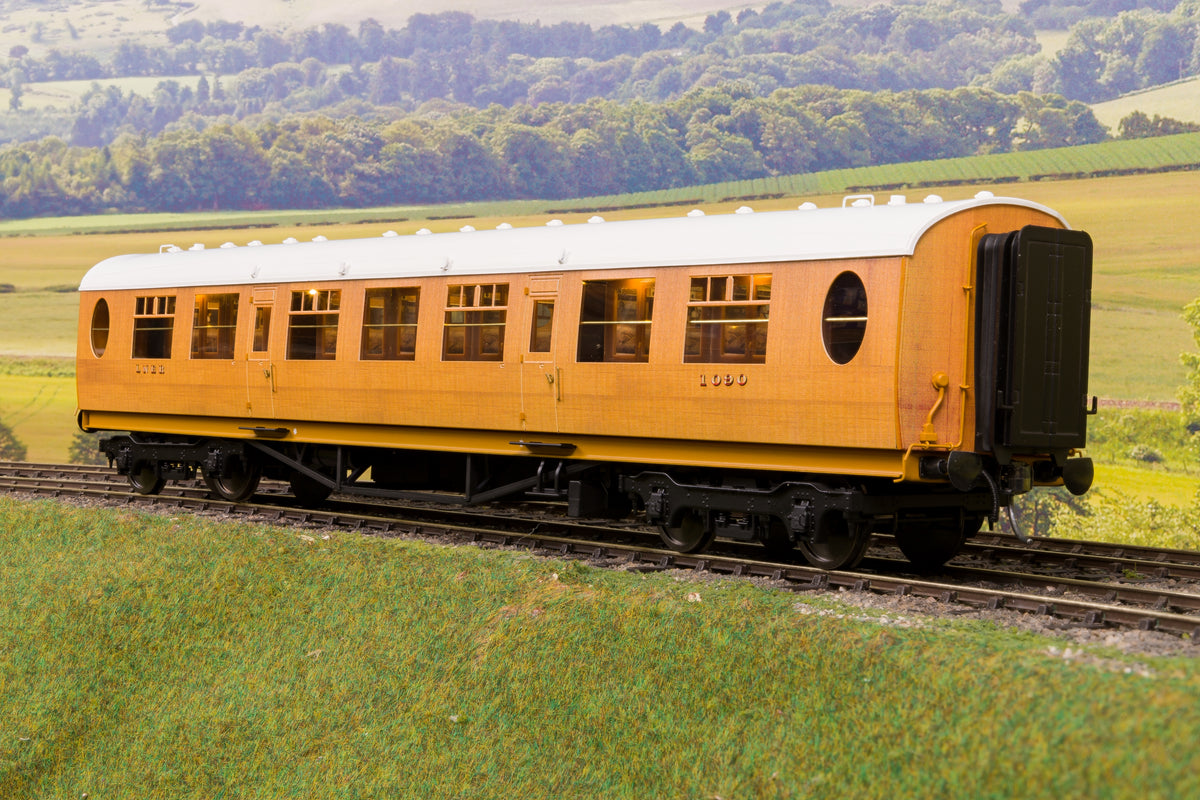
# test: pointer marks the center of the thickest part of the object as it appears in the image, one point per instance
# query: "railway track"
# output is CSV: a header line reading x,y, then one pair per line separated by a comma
x,y
1090,584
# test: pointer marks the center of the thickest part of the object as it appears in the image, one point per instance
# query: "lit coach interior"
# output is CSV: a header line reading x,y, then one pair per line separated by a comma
x,y
799,378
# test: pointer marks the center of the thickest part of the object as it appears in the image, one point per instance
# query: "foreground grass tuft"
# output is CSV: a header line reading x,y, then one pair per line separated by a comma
x,y
145,656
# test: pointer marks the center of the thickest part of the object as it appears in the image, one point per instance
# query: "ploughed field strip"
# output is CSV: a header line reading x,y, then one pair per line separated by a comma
x,y
1089,584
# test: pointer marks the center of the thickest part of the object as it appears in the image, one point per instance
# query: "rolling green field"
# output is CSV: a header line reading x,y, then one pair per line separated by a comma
x,y
1103,159
1179,100
41,412
149,656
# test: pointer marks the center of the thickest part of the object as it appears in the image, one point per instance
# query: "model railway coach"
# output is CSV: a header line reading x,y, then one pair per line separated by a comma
x,y
799,378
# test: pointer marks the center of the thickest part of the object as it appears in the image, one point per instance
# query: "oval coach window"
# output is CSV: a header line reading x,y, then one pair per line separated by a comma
x,y
844,320
100,327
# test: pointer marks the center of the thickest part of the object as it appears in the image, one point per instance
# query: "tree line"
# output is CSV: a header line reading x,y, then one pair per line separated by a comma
x,y
552,150
451,55
452,108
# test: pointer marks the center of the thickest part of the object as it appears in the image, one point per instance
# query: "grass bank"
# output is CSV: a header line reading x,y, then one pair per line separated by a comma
x,y
155,657
1178,100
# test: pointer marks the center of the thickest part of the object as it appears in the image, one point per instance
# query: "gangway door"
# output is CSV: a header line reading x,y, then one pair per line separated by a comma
x,y
1032,343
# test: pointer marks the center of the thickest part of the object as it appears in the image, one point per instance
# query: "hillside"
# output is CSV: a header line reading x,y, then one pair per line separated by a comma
x,y
98,25
1179,100
394,13
452,107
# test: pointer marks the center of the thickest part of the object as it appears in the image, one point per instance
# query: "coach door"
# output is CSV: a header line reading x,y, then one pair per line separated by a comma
x,y
541,388
260,369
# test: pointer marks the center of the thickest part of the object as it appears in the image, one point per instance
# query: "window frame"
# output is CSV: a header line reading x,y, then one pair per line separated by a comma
x,y
101,327
715,313
616,318
153,326
541,326
320,309
215,324
844,319
473,312
396,331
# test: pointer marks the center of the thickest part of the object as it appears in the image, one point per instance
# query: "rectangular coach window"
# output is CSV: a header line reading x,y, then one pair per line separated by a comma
x,y
153,323
213,325
541,335
727,320
390,324
614,321
475,318
313,325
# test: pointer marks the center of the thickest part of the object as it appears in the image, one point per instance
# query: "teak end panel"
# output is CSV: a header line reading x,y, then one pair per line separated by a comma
x,y
937,335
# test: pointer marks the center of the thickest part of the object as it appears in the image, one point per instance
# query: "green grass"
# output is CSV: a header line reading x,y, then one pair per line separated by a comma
x,y
155,657
38,323
1092,160
1179,100
276,225
1168,487
1135,354
41,413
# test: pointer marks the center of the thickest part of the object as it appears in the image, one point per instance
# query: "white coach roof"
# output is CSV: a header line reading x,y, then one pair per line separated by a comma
x,y
861,230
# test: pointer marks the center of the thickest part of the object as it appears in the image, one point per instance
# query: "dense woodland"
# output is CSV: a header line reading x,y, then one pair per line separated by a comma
x,y
454,108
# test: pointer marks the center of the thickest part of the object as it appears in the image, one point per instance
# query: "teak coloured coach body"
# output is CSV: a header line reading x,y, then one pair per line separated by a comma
x,y
799,378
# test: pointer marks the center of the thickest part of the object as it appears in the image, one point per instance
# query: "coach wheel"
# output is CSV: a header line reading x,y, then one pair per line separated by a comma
x,y
145,478
236,486
838,544
929,544
692,534
308,491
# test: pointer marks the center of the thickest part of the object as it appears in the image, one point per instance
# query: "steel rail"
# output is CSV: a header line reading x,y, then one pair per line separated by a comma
x,y
986,539
1151,609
